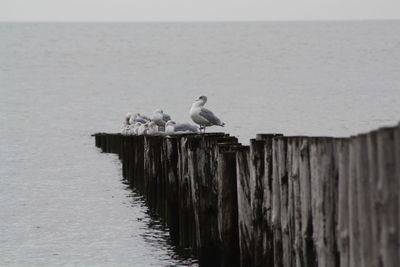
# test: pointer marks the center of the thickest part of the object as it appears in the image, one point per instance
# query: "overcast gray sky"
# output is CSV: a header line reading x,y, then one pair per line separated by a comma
x,y
195,10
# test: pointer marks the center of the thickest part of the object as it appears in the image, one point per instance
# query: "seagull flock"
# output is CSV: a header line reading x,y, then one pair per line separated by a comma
x,y
162,124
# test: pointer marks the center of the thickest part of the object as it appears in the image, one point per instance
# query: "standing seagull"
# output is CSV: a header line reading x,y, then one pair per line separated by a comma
x,y
160,118
203,116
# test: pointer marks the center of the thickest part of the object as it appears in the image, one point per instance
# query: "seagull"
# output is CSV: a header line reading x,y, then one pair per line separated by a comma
x,y
153,129
135,128
126,125
143,128
172,128
203,116
139,118
160,118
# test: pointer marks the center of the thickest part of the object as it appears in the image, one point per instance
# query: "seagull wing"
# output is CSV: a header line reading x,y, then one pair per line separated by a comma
x,y
166,117
209,116
141,120
145,117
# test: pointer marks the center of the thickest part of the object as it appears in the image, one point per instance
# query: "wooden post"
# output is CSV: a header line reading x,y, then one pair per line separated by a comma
x,y
309,257
187,230
364,200
323,192
387,190
397,148
354,233
228,207
267,230
244,206
172,187
294,205
374,204
343,202
257,173
278,173
202,174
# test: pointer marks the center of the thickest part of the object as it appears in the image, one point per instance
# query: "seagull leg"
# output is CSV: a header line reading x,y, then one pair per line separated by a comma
x,y
203,128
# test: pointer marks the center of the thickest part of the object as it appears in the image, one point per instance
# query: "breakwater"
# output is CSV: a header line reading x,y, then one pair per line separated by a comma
x,y
281,201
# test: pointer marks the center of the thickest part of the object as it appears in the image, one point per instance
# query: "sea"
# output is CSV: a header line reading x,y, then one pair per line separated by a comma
x,y
64,203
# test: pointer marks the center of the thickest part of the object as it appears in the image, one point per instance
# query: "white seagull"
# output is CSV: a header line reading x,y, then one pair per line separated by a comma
x,y
139,118
143,128
135,128
126,125
172,128
160,118
153,129
203,116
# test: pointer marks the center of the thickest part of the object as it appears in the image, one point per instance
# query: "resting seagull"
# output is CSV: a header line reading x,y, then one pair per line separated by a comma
x,y
160,118
135,128
203,116
143,128
127,124
172,128
153,129
139,118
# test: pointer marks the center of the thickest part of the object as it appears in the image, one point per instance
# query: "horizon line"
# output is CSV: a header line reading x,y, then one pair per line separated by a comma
x,y
197,21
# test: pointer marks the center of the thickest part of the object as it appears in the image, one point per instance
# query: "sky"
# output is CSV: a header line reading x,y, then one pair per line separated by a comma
x,y
197,10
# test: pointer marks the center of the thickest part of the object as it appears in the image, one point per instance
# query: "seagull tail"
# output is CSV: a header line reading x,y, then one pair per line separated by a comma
x,y
222,124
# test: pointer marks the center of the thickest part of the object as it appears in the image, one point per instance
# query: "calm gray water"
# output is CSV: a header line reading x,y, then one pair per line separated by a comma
x,y
63,203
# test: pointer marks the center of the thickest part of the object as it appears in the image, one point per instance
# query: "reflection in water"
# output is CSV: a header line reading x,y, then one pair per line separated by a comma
x,y
156,233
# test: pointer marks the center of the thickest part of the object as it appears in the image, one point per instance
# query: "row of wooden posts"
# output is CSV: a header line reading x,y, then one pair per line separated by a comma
x,y
281,201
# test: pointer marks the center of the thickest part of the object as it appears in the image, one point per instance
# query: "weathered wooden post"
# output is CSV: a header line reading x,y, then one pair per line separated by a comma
x,y
107,143
136,154
203,182
153,172
228,206
276,205
267,257
244,206
138,166
172,187
97,140
354,227
343,202
374,204
257,174
363,199
323,192
102,141
187,233
294,202
387,193
397,148
324,188
308,249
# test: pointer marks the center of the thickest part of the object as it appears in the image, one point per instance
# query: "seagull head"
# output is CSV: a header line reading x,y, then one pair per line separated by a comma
x,y
201,100
158,111
128,117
